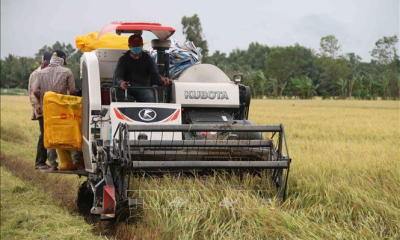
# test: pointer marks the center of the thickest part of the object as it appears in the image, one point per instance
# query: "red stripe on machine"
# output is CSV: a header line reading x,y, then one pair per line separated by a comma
x,y
176,115
118,114
173,116
121,116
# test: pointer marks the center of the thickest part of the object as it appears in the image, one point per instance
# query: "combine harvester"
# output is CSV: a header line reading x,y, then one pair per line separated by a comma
x,y
199,123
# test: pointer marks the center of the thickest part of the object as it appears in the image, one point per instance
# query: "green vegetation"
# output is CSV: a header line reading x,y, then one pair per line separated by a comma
x,y
276,72
343,184
13,91
15,71
191,27
270,71
30,213
19,136
332,75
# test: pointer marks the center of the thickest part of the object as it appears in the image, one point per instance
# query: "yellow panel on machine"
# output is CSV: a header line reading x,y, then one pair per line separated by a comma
x,y
62,116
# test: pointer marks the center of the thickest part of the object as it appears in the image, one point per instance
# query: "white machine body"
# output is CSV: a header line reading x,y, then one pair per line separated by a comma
x,y
205,85
200,86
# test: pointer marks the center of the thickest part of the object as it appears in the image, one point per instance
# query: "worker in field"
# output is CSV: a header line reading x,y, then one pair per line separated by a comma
x,y
41,155
139,70
59,79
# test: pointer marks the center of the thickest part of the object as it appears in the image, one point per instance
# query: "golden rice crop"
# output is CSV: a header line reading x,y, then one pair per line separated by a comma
x,y
344,181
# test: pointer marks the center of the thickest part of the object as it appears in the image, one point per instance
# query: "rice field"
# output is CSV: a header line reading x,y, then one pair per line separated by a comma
x,y
344,181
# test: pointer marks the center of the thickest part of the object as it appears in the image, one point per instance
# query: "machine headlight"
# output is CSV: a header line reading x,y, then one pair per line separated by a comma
x,y
237,78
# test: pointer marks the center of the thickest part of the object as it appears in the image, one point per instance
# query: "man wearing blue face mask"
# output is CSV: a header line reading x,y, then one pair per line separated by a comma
x,y
138,69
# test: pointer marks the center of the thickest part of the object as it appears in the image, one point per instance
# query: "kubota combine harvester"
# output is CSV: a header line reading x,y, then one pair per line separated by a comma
x,y
199,123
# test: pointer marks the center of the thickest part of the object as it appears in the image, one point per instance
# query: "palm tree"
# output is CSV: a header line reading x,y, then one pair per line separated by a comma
x,y
356,78
272,86
303,87
384,87
341,87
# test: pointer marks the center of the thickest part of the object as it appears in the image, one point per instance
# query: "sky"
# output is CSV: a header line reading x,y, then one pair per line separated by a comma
x,y
28,25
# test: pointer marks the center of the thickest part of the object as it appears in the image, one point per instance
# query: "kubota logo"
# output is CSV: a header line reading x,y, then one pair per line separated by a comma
x,y
206,95
147,115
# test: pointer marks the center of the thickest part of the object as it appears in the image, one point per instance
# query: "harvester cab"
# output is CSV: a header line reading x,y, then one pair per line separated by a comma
x,y
199,122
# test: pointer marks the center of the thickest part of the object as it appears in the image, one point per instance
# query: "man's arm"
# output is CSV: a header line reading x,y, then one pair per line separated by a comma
x,y
36,87
119,72
156,78
71,83
32,98
36,92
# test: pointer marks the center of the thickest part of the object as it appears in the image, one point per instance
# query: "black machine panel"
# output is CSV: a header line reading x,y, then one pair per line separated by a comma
x,y
147,115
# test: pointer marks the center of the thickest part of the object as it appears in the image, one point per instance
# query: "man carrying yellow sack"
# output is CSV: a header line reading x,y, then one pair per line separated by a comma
x,y
62,119
55,78
51,155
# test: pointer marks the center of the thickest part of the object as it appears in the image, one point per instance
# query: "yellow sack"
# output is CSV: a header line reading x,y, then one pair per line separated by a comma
x,y
65,159
89,42
62,117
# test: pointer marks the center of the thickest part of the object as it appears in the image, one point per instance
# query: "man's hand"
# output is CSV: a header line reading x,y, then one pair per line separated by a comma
x,y
165,80
38,110
123,85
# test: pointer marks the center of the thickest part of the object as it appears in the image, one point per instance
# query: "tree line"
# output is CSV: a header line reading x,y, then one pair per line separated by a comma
x,y
301,72
15,70
271,71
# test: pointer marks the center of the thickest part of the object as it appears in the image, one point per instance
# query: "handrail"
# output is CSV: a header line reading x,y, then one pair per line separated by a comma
x,y
113,91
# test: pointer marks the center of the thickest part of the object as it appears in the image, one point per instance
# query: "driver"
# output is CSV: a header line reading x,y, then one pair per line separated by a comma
x,y
139,70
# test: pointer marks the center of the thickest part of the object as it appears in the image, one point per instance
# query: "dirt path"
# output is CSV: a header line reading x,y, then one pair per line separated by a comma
x,y
59,188
63,190
28,212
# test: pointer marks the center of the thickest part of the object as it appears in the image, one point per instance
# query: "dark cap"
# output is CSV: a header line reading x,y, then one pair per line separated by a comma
x,y
135,40
47,56
61,54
